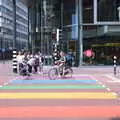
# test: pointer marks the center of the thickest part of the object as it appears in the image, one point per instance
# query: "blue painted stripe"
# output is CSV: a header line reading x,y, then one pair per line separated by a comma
x,y
51,81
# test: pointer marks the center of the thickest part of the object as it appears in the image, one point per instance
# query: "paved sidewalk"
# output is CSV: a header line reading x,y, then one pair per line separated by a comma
x,y
6,73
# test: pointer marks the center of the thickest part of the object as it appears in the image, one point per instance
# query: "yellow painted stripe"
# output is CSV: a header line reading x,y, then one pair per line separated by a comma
x,y
65,95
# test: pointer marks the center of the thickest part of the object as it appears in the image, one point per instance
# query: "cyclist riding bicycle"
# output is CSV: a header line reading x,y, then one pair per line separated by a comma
x,y
61,69
61,63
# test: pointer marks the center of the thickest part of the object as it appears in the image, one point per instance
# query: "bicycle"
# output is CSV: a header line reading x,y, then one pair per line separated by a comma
x,y
57,71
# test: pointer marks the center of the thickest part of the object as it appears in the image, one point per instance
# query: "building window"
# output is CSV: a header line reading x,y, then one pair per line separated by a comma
x,y
108,10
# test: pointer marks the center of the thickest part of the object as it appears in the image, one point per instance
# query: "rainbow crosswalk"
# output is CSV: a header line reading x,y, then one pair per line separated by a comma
x,y
81,98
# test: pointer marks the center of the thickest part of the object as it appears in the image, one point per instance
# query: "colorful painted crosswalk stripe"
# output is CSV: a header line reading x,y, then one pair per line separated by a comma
x,y
59,95
9,87
51,81
60,112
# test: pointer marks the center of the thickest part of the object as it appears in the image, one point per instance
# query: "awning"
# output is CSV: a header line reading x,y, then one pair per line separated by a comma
x,y
106,44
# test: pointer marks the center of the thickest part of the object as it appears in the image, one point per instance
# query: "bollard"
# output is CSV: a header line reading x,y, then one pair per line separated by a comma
x,y
14,61
115,59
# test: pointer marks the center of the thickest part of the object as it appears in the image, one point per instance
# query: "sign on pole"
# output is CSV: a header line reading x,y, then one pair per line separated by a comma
x,y
59,35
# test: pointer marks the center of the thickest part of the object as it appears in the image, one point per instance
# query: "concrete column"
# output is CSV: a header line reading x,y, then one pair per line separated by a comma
x,y
95,11
79,45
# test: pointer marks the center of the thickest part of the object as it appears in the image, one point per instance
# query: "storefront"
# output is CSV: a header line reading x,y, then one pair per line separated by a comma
x,y
98,22
85,23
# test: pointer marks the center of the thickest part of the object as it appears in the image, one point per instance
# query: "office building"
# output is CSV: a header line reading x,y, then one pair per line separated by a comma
x,y
7,24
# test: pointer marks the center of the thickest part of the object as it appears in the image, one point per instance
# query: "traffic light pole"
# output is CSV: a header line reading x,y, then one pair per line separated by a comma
x,y
14,38
62,10
41,35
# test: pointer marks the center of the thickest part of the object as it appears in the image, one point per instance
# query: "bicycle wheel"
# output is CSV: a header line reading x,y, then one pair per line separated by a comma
x,y
68,72
52,73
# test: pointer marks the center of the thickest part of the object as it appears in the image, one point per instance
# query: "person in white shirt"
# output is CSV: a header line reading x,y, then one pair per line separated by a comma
x,y
19,58
31,63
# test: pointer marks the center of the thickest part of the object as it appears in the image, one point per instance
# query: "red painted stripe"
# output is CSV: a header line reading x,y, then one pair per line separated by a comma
x,y
60,112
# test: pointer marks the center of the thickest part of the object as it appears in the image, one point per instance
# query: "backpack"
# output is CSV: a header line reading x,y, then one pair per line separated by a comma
x,y
69,57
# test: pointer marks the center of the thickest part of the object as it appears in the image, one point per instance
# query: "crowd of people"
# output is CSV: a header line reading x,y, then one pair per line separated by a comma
x,y
29,62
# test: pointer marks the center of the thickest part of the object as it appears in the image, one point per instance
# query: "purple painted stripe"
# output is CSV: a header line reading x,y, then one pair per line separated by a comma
x,y
58,102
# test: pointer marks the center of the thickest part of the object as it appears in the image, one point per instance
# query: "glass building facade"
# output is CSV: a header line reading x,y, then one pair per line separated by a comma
x,y
7,24
85,24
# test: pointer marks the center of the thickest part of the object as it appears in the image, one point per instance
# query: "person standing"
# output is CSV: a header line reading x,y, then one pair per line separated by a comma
x,y
19,58
30,63
36,64
70,59
41,61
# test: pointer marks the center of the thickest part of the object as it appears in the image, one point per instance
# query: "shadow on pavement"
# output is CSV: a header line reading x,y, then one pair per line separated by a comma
x,y
115,118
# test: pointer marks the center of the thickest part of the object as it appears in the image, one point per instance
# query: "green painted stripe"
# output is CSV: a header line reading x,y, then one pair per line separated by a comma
x,y
54,87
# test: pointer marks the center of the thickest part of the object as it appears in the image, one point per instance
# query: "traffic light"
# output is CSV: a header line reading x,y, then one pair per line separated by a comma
x,y
56,52
53,36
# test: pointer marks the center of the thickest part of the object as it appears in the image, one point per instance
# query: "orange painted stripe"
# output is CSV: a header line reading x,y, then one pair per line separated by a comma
x,y
60,111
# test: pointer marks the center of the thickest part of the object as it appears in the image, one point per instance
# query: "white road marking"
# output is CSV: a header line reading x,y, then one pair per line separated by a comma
x,y
113,81
108,89
113,78
114,93
77,75
5,83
